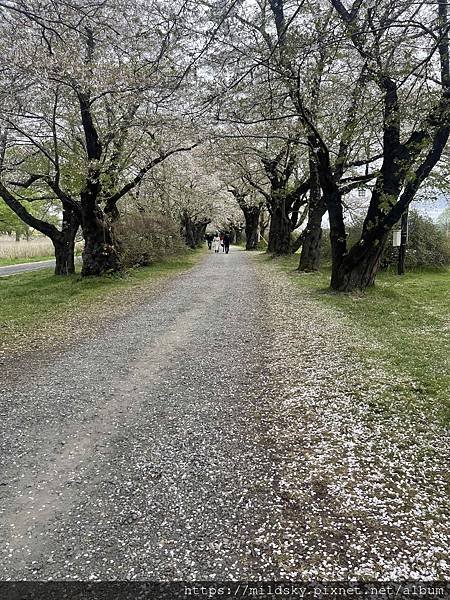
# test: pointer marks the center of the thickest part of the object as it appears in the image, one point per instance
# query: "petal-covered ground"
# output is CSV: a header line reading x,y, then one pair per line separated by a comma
x,y
363,473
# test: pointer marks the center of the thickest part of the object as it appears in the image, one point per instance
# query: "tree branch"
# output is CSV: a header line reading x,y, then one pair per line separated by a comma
x,y
112,200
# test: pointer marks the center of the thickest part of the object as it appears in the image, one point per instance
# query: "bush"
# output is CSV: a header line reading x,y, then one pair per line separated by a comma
x,y
353,235
428,244
147,237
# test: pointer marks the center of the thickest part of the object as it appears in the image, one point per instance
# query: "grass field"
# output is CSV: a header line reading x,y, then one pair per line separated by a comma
x,y
40,298
408,319
12,252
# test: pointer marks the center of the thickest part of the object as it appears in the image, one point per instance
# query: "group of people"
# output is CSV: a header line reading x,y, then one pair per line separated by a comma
x,y
217,241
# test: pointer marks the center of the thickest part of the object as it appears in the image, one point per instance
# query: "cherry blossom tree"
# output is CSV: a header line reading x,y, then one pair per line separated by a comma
x,y
91,110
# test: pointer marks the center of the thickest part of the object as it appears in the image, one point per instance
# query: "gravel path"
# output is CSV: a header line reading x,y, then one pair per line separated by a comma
x,y
214,431
132,454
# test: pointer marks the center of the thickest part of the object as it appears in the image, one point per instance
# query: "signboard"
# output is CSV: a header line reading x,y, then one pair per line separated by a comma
x,y
396,237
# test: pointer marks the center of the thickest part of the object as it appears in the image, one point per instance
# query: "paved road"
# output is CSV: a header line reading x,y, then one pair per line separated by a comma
x,y
136,452
25,267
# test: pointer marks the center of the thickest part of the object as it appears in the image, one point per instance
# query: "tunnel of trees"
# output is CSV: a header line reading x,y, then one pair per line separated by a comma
x,y
218,116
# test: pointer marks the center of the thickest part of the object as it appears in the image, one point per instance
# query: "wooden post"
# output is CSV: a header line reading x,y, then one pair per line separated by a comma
x,y
403,243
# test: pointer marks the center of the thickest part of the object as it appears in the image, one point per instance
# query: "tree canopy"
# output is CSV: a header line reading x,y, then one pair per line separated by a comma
x,y
295,104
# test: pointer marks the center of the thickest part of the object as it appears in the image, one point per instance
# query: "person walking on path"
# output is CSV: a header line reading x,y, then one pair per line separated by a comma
x,y
209,238
226,242
216,243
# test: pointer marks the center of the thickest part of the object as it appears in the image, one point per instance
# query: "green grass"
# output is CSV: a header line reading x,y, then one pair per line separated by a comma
x,y
38,298
4,262
407,316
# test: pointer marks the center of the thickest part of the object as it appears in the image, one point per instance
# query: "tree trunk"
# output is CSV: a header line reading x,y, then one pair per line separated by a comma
x,y
193,232
101,250
65,257
188,234
251,214
100,254
310,256
200,231
279,231
358,269
263,223
65,243
236,235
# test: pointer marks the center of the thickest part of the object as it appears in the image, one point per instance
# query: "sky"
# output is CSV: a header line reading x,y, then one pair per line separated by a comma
x,y
432,209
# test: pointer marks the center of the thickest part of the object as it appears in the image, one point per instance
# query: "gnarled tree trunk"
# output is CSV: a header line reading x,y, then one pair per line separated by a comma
x,y
64,244
236,234
358,269
100,254
264,221
279,230
65,257
310,255
200,231
193,231
251,214
187,231
312,236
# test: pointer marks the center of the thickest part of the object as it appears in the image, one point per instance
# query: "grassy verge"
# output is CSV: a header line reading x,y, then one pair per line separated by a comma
x,y
39,298
408,319
5,262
